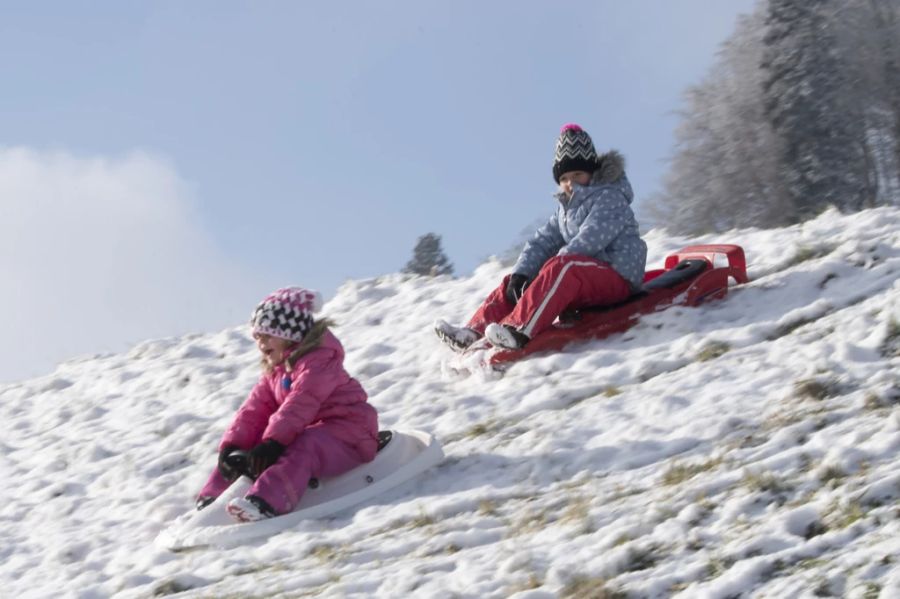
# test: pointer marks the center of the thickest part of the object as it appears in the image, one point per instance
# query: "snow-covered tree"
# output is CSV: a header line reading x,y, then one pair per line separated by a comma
x,y
724,170
801,111
869,42
429,258
822,158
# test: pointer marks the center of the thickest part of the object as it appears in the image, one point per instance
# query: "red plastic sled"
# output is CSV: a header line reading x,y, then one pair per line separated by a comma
x,y
690,277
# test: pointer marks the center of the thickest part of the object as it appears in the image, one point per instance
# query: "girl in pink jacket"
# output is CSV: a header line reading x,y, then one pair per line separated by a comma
x,y
305,418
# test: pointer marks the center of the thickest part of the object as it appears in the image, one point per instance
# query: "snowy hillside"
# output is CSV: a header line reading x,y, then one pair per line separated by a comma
x,y
748,448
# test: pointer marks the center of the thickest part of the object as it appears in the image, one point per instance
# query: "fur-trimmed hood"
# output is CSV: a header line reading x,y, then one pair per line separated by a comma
x,y
611,169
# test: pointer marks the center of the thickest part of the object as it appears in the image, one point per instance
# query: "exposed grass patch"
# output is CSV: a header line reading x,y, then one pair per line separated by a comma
x,y
804,462
483,428
764,482
706,503
749,441
872,591
840,516
261,567
487,507
775,569
579,512
612,391
694,544
326,553
643,558
585,587
678,473
890,347
786,418
718,566
422,520
789,327
810,562
816,389
529,523
831,475
704,507
663,514
874,402
806,253
529,584
170,587
823,588
621,492
814,529
713,350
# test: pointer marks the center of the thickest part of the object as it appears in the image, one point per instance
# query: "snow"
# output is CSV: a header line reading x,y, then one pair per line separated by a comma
x,y
746,448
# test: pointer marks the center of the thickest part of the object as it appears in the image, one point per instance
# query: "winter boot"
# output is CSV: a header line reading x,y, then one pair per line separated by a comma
x,y
249,509
505,336
458,338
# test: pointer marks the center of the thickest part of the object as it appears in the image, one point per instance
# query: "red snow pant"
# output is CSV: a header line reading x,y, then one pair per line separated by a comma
x,y
315,453
569,281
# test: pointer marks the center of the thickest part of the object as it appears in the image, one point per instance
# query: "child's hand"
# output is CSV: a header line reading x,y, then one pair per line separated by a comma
x,y
263,455
516,287
225,468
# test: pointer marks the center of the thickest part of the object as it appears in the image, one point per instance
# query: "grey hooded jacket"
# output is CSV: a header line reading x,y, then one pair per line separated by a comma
x,y
597,221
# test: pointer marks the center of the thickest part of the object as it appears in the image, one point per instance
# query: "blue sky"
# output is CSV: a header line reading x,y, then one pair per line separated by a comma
x,y
165,164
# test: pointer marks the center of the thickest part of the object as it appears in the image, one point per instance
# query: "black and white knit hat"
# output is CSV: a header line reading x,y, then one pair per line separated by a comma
x,y
286,313
574,152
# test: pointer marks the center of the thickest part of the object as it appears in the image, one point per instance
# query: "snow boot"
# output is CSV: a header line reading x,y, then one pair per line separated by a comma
x,y
458,338
505,336
249,509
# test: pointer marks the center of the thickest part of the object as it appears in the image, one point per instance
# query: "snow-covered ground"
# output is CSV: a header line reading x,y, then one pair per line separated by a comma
x,y
747,448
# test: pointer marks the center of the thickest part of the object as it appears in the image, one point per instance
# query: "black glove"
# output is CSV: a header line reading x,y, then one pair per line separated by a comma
x,y
225,468
263,455
515,287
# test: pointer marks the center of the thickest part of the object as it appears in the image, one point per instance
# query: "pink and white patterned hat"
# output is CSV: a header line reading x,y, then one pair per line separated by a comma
x,y
286,313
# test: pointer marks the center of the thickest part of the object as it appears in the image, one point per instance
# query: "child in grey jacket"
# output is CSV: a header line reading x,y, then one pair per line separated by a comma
x,y
589,253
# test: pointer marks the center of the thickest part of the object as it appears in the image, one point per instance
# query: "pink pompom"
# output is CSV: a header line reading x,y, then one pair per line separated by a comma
x,y
570,127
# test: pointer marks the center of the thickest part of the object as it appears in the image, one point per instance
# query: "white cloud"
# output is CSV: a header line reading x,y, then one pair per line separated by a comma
x,y
98,253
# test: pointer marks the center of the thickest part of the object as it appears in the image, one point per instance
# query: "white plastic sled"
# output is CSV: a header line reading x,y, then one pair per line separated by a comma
x,y
407,454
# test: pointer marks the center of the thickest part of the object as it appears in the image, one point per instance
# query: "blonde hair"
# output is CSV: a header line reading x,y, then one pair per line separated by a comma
x,y
311,341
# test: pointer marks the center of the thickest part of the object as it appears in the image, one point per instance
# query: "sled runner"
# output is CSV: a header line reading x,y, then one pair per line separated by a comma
x,y
689,277
403,455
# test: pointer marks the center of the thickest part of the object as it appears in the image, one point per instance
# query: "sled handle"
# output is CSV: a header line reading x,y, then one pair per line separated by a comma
x,y
737,263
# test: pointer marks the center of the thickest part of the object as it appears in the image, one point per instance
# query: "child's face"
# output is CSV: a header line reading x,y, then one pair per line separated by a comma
x,y
273,349
566,180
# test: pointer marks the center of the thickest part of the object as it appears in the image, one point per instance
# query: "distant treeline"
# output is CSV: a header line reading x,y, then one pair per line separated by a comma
x,y
800,112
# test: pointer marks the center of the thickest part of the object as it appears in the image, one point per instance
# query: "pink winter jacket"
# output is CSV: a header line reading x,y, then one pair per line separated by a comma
x,y
320,391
